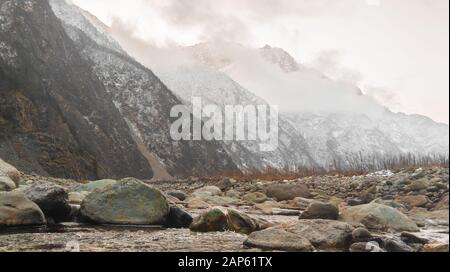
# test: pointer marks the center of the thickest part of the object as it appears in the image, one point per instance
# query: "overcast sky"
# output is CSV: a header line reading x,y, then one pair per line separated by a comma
x,y
395,50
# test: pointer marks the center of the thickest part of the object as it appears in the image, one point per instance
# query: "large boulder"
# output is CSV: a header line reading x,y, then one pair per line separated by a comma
x,y
222,219
94,185
126,202
10,171
51,198
319,210
6,184
17,210
322,234
282,192
378,217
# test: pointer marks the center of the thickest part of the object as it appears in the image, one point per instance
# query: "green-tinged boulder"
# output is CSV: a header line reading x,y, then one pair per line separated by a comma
x,y
207,191
378,217
321,234
128,201
417,185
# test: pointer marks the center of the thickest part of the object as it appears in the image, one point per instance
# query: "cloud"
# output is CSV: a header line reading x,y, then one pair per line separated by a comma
x,y
234,21
385,40
384,96
329,62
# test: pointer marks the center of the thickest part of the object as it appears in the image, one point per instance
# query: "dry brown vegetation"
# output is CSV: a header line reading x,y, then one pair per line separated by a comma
x,y
353,166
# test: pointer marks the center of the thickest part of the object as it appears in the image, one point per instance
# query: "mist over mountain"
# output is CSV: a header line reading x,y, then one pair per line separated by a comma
x,y
336,121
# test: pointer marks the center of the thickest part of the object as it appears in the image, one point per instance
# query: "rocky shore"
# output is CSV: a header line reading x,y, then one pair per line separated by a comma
x,y
402,211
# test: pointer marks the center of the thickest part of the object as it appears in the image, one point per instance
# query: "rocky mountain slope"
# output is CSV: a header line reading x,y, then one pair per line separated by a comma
x,y
339,125
56,117
217,88
142,99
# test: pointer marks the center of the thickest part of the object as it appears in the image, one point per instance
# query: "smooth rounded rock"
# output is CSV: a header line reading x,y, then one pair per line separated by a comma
x,y
178,194
282,192
319,210
378,217
10,171
361,235
51,198
128,201
256,197
17,210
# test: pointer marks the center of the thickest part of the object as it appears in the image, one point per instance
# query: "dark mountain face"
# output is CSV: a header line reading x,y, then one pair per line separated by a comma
x,y
143,100
56,117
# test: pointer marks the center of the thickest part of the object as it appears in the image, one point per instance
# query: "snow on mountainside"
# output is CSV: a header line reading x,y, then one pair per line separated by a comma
x,y
215,87
143,100
86,22
338,122
278,56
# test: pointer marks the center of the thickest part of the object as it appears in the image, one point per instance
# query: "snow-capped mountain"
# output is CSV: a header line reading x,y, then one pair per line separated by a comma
x,y
143,100
338,122
334,121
